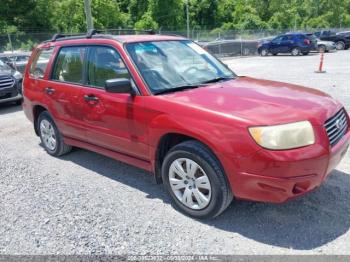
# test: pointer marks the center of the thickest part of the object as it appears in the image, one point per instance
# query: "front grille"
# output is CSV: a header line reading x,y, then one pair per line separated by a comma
x,y
336,127
6,82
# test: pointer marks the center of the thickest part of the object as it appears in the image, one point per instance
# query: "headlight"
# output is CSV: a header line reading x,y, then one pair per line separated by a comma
x,y
285,136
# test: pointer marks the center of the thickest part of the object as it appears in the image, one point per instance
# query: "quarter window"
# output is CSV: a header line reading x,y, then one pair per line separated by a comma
x,y
39,64
70,65
104,63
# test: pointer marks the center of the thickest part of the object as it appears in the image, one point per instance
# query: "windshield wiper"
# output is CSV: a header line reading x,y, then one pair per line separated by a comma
x,y
218,79
176,89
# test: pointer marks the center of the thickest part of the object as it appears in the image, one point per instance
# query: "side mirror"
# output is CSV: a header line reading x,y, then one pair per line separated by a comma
x,y
119,85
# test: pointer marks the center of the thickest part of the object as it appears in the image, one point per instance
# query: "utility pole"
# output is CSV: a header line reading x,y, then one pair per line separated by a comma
x,y
188,20
87,7
10,41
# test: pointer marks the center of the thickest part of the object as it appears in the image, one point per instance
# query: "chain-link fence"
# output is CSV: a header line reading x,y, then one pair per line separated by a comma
x,y
219,42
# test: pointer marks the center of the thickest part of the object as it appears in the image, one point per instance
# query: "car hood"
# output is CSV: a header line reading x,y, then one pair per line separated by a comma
x,y
6,72
259,102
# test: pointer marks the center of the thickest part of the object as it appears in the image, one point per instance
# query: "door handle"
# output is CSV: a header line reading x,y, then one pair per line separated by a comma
x,y
49,90
91,99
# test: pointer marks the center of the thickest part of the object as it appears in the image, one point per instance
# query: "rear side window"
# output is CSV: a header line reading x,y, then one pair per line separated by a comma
x,y
104,63
69,65
39,64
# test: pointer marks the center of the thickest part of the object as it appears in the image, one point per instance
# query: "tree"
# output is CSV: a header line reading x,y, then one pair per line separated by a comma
x,y
146,22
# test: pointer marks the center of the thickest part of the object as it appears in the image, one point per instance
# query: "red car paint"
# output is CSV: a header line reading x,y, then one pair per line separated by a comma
x,y
129,128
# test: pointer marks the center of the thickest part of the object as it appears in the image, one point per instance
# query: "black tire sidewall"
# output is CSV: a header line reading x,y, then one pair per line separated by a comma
x,y
46,116
216,195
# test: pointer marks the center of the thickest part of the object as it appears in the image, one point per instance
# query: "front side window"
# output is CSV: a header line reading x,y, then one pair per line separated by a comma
x,y
167,65
278,39
104,63
40,62
69,65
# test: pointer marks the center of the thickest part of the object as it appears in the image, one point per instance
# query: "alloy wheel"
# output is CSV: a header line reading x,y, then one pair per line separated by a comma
x,y
264,52
295,52
340,45
48,135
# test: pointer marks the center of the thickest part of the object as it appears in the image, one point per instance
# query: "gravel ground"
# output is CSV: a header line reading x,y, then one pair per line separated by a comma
x,y
85,203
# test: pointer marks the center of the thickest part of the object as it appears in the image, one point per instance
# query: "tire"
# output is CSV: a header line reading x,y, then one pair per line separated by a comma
x,y
295,51
47,131
19,102
322,49
274,54
346,47
216,192
305,53
340,45
264,52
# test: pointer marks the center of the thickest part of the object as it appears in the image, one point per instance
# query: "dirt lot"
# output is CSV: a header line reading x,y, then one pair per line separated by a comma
x,y
85,203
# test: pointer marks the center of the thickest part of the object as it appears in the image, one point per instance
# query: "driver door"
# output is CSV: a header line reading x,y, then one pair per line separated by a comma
x,y
111,118
275,46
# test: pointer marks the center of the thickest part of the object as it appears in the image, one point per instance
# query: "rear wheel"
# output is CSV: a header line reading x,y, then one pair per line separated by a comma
x,y
340,45
195,180
50,136
295,51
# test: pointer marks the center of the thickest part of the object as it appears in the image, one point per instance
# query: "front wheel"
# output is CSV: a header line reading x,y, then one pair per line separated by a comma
x,y
195,180
340,45
50,136
264,52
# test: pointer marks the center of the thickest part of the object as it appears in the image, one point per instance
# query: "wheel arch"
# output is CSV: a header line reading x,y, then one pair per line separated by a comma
x,y
37,110
168,141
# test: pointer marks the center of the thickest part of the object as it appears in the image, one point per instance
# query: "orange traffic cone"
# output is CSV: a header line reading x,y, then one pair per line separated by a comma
x,y
320,68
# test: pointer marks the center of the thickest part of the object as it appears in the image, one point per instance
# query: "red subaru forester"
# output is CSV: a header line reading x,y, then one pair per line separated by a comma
x,y
164,104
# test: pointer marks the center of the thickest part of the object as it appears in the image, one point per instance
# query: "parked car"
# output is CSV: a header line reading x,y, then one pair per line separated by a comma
x,y
20,61
322,46
231,47
341,39
17,61
4,58
293,43
10,84
164,104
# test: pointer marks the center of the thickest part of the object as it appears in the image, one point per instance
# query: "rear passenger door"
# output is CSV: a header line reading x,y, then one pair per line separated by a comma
x,y
112,118
63,91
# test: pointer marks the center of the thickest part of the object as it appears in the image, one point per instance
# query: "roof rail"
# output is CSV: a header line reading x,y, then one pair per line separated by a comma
x,y
58,36
92,32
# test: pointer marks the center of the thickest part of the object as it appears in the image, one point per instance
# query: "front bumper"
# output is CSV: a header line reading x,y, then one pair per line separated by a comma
x,y
277,176
13,93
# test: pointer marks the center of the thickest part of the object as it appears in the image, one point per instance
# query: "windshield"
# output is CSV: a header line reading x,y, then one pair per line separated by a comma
x,y
3,66
170,65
